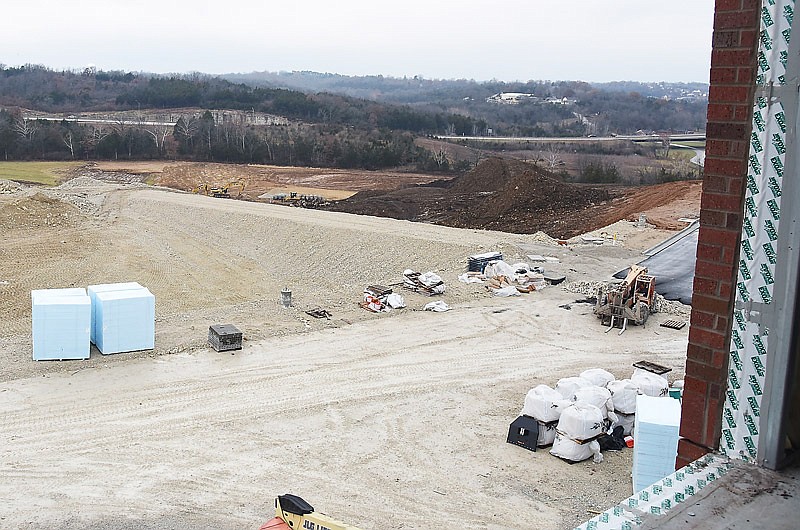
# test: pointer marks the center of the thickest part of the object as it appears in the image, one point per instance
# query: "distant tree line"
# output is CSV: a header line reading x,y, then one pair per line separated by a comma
x,y
201,139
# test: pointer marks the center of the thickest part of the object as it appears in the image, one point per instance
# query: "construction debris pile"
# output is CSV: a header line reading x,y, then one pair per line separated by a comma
x,y
503,279
584,415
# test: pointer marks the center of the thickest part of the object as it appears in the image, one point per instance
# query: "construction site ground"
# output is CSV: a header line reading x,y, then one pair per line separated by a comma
x,y
393,420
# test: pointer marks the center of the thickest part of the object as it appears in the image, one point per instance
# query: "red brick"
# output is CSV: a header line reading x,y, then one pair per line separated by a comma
x,y
718,236
720,112
700,354
723,75
703,337
748,38
737,57
700,318
739,149
692,415
711,270
736,187
713,219
713,424
743,112
719,359
718,148
727,5
728,93
730,256
733,20
751,4
722,324
728,131
695,386
720,201
725,289
715,183
724,166
710,303
689,451
708,252
745,76
726,39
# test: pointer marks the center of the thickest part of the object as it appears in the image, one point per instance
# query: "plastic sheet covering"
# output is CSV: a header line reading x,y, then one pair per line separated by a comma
x,y
623,395
672,265
544,404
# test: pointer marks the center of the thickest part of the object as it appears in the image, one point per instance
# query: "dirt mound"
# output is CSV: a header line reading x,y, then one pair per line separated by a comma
x,y
505,195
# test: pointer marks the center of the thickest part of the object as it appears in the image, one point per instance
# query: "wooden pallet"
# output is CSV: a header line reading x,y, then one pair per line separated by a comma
x,y
674,324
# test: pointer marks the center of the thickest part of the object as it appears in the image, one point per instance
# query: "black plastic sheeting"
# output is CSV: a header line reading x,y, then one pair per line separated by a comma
x,y
673,268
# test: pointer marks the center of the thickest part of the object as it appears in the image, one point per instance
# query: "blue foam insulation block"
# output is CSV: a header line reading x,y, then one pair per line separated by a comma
x,y
124,320
655,435
104,288
60,324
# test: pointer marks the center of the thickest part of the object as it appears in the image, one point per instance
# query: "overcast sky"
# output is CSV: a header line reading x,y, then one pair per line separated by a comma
x,y
589,40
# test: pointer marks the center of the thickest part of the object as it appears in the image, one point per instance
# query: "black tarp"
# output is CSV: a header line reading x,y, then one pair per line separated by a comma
x,y
672,264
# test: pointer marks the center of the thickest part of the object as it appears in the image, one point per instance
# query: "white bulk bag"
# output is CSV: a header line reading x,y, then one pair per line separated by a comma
x,y
623,394
581,421
571,451
544,404
568,385
650,384
547,434
600,398
626,421
598,376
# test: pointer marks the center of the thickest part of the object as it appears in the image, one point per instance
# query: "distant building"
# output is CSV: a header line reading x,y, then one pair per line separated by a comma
x,y
511,98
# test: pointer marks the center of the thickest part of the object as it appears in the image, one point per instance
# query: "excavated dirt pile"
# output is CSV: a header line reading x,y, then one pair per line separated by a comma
x,y
505,195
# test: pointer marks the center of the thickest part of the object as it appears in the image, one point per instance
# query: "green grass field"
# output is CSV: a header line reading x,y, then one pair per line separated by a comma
x,y
47,173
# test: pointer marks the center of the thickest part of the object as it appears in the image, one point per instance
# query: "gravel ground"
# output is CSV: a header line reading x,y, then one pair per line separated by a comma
x,y
393,420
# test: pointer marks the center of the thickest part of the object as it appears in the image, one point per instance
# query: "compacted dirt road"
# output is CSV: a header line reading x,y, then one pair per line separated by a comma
x,y
395,420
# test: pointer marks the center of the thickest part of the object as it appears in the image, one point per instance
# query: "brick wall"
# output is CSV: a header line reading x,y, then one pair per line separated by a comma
x,y
730,109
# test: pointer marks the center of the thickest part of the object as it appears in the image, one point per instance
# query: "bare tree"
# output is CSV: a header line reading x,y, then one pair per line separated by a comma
x,y
159,133
25,128
440,157
66,137
552,158
665,142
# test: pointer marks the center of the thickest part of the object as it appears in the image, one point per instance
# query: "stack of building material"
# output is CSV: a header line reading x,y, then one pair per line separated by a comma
x,y
61,323
123,317
478,262
656,439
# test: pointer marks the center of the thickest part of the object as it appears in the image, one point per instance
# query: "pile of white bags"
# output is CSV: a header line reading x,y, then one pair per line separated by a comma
x,y
579,423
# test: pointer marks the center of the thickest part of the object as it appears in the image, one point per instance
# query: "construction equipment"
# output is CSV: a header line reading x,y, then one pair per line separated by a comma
x,y
632,299
293,513
220,191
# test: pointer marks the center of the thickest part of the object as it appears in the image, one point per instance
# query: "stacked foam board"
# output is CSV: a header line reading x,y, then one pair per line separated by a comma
x,y
123,317
655,435
61,320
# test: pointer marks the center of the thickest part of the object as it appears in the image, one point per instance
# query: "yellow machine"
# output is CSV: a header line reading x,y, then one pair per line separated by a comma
x,y
293,513
220,191
633,299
